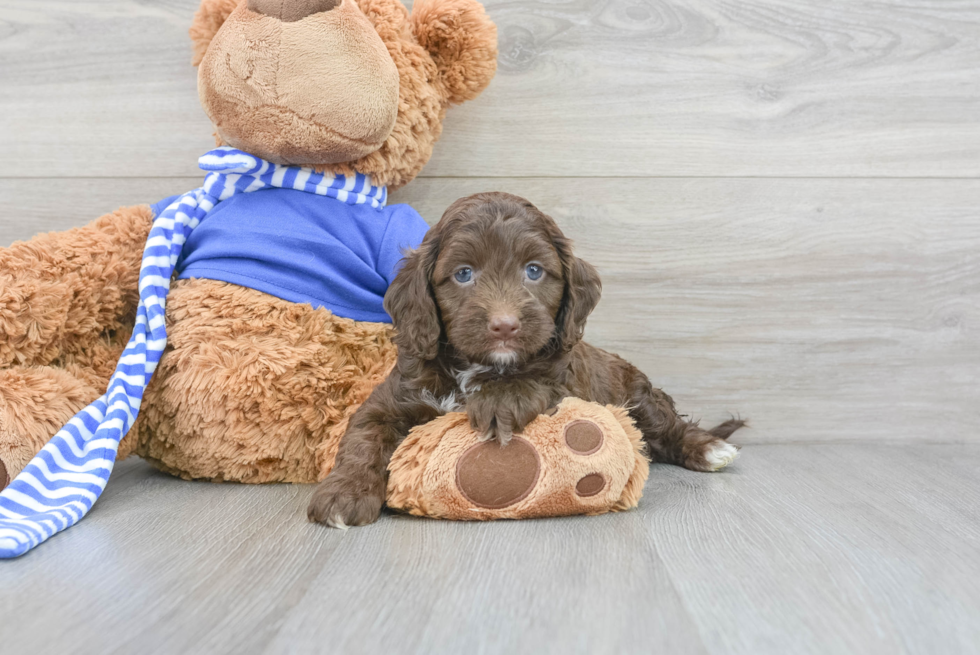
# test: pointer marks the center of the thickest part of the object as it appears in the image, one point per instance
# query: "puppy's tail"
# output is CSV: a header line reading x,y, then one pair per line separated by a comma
x,y
725,430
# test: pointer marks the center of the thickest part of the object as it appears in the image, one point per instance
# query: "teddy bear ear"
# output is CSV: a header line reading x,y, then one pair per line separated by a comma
x,y
210,16
462,41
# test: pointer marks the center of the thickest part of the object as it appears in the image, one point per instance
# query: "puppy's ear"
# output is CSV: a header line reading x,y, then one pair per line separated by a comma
x,y
583,288
412,305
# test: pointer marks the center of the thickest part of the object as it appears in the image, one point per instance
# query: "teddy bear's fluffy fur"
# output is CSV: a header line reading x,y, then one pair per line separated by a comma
x,y
251,388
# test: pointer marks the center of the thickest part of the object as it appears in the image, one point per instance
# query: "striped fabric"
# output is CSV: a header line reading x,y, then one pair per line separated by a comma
x,y
60,485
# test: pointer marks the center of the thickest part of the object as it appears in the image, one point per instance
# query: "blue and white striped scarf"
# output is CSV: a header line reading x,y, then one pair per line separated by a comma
x,y
60,485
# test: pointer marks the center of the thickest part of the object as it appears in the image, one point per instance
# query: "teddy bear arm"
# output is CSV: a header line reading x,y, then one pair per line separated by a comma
x,y
63,292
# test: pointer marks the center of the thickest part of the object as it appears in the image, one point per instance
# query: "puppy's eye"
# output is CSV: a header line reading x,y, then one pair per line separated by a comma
x,y
463,275
533,271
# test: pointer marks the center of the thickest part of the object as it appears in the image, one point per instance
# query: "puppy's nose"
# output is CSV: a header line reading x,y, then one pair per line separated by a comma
x,y
504,326
290,11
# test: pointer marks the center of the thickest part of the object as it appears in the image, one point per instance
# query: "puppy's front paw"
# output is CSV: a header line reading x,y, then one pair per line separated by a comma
x,y
500,428
340,503
493,421
486,421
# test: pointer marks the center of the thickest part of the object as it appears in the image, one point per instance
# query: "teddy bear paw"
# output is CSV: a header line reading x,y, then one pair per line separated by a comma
x,y
493,476
583,458
576,462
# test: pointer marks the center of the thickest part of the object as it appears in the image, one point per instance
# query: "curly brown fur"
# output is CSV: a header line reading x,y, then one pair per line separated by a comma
x,y
35,402
63,292
67,307
462,42
256,389
470,276
251,388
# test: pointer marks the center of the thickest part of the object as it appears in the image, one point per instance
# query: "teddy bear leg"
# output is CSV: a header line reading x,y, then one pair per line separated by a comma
x,y
35,402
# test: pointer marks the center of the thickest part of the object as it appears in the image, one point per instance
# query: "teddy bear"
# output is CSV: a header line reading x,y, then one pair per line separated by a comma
x,y
253,386
229,333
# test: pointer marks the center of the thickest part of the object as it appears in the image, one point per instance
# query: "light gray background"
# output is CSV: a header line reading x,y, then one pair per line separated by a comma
x,y
783,198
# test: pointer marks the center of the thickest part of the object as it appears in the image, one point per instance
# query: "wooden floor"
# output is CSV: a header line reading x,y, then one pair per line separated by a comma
x,y
783,198
834,548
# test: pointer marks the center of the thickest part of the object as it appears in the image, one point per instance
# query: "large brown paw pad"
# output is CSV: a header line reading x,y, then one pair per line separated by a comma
x,y
493,476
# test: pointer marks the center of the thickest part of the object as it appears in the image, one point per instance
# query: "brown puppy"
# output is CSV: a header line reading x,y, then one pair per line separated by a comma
x,y
489,313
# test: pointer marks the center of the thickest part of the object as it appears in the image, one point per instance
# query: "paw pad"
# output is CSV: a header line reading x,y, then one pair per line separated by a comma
x,y
492,476
583,437
590,485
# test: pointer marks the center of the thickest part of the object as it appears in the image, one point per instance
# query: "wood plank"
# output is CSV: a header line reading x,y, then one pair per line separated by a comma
x,y
198,567
99,89
796,549
31,206
617,87
828,310
830,549
508,587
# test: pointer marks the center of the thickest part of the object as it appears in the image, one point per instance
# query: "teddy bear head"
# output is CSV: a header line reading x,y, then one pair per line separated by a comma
x,y
344,86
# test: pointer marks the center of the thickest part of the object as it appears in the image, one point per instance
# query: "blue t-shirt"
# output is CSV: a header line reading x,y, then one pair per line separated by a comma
x,y
303,248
